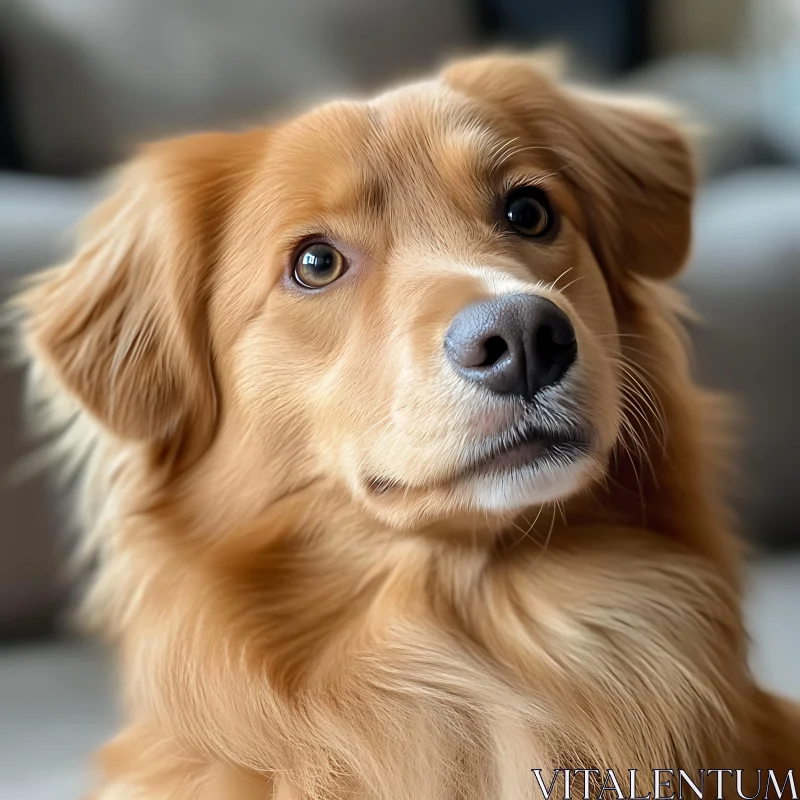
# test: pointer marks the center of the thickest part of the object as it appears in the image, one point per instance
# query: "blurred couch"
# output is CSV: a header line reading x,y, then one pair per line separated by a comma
x,y
82,80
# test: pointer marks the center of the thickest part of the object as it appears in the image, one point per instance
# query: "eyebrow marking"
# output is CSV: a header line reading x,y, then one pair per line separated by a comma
x,y
372,195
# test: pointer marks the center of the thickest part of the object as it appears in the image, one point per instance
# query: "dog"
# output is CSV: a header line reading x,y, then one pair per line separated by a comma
x,y
393,471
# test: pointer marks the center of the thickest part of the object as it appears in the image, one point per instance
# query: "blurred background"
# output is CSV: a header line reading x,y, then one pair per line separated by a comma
x,y
81,81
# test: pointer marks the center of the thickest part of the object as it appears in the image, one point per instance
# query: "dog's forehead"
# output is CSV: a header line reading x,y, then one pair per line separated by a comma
x,y
434,113
403,137
432,95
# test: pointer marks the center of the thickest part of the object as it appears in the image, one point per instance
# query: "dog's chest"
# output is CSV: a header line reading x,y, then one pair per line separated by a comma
x,y
564,666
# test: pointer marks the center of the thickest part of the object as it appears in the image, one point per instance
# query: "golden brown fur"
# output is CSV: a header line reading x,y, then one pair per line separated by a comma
x,y
284,630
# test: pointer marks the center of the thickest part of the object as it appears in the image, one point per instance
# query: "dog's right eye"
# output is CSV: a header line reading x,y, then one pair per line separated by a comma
x,y
528,212
318,265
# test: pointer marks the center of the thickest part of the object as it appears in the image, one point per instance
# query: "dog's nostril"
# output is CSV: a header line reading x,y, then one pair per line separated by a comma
x,y
553,346
494,349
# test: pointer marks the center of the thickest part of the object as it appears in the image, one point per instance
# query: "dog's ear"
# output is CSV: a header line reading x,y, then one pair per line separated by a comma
x,y
121,325
635,170
630,165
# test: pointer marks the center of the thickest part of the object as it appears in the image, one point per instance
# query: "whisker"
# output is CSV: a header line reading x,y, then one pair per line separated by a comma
x,y
517,150
549,533
553,285
498,151
563,289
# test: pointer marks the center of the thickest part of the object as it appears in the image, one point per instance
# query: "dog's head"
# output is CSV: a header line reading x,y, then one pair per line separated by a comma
x,y
415,298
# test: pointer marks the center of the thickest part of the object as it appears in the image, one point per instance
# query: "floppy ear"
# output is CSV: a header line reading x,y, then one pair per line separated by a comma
x,y
635,170
121,325
630,165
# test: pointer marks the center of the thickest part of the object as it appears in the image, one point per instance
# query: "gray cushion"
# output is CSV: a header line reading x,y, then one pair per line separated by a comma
x,y
745,282
37,218
775,58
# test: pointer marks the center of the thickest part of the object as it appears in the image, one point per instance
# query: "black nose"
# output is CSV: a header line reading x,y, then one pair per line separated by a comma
x,y
514,344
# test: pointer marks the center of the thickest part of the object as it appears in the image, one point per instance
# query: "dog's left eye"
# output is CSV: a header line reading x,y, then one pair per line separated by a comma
x,y
529,213
318,265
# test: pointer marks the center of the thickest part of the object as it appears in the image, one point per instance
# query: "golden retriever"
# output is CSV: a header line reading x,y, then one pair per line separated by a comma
x,y
395,476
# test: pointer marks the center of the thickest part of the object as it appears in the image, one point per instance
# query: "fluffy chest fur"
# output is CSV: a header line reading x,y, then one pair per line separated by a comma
x,y
427,673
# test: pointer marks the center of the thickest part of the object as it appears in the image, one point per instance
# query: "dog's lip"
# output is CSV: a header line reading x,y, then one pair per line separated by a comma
x,y
500,456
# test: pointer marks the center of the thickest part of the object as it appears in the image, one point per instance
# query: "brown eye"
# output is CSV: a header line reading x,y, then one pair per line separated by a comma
x,y
318,265
529,213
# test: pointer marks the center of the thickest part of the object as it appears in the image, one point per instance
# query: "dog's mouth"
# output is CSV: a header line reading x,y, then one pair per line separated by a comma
x,y
531,448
